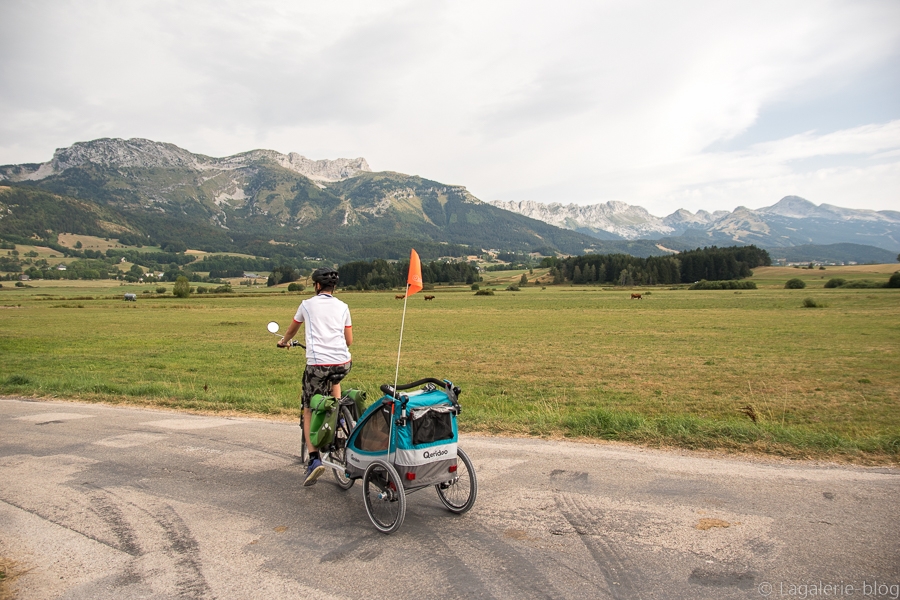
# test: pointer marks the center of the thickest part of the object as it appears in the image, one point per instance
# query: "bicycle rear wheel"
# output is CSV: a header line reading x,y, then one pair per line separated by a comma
x,y
339,454
458,494
384,496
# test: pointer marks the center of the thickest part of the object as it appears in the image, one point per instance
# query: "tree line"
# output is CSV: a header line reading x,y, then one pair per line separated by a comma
x,y
380,274
712,264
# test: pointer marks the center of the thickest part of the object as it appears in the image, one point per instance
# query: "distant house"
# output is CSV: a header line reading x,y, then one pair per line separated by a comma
x,y
24,277
251,276
60,267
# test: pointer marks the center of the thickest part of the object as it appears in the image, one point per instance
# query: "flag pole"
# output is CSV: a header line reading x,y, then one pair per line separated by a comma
x,y
400,345
414,283
396,374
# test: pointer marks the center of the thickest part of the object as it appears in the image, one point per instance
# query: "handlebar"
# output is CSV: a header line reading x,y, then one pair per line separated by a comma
x,y
293,344
451,390
389,389
273,329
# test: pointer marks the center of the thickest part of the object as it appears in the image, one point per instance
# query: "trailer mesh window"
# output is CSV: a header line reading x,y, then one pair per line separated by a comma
x,y
374,435
432,424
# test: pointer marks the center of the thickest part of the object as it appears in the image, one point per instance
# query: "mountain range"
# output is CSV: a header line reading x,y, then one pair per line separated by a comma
x,y
263,202
792,221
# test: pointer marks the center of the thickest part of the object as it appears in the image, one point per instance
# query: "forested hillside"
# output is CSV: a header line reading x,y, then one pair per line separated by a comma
x,y
382,275
259,203
712,264
27,212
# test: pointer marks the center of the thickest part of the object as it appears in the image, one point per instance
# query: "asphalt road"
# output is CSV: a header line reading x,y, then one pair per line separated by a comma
x,y
108,502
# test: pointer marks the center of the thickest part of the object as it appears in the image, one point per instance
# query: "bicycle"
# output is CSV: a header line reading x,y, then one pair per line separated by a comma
x,y
400,444
349,412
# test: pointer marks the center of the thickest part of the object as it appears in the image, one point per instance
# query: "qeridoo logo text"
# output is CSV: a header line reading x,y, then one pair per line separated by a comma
x,y
434,454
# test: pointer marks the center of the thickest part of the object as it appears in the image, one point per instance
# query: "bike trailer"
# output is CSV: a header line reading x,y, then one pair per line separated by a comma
x,y
415,431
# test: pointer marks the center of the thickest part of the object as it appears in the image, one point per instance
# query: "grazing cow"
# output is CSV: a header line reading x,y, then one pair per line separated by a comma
x,y
429,297
636,297
399,297
130,298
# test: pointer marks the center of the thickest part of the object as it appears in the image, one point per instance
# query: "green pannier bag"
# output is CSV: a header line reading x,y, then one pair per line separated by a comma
x,y
359,399
324,420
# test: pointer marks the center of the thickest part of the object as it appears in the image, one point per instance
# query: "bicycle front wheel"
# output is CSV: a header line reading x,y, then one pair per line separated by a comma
x,y
304,452
384,496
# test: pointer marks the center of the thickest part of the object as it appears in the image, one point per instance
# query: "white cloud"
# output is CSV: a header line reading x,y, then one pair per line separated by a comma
x,y
872,187
868,139
562,101
846,168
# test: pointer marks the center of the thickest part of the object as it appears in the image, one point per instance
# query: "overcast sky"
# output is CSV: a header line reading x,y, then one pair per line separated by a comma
x,y
691,104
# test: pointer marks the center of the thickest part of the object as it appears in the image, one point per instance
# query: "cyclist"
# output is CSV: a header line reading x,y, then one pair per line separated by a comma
x,y
328,338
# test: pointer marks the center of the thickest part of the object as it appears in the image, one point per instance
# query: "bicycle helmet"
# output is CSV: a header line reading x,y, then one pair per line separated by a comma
x,y
326,277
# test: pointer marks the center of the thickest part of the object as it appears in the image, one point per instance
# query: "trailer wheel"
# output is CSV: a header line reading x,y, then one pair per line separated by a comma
x,y
458,494
384,496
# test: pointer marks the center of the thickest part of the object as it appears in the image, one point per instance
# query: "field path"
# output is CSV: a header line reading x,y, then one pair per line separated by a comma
x,y
111,502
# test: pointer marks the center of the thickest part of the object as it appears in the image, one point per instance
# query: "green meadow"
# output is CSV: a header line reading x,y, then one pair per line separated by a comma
x,y
748,370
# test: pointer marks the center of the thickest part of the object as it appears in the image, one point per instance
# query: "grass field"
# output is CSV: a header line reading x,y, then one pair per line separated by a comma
x,y
675,368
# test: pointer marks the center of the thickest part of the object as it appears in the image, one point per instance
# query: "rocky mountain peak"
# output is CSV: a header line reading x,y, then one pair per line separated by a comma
x,y
117,153
317,170
685,218
619,218
793,207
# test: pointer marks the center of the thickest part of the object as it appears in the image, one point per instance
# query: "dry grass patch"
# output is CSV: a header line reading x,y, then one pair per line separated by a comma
x,y
88,242
9,572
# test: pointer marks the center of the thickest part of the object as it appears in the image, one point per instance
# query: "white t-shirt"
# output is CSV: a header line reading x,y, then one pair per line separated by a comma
x,y
325,317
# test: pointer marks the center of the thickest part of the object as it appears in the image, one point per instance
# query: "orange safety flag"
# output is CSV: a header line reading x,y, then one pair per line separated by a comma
x,y
414,279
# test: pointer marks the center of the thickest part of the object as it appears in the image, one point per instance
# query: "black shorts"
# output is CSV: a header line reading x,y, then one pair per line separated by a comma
x,y
318,379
